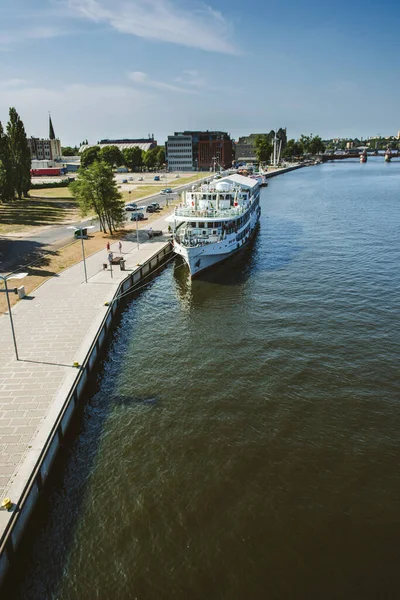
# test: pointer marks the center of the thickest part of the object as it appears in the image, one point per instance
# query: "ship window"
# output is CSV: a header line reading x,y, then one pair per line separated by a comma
x,y
193,224
201,225
210,225
204,232
214,232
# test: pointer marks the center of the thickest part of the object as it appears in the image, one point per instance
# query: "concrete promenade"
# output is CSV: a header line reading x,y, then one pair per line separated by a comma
x,y
54,328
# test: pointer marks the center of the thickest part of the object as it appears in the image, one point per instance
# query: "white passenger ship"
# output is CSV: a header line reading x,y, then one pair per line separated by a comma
x,y
216,220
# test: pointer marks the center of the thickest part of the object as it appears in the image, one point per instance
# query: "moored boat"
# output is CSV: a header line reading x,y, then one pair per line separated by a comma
x,y
363,156
388,155
216,220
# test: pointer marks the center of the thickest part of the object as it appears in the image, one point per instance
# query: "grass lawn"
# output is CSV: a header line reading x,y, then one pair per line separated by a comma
x,y
140,192
183,180
57,192
44,207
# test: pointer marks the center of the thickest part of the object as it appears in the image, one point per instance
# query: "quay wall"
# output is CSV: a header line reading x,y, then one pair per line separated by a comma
x,y
282,171
23,508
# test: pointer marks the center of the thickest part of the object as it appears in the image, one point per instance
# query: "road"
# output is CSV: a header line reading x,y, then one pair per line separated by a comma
x,y
19,251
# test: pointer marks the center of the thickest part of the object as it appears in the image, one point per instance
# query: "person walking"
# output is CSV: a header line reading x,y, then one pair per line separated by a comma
x,y
120,247
108,246
150,233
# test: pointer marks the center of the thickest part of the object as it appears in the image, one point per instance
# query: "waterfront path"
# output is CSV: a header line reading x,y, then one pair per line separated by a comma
x,y
54,328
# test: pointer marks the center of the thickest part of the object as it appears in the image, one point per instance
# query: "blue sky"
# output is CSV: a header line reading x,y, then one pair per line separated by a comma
x,y
129,68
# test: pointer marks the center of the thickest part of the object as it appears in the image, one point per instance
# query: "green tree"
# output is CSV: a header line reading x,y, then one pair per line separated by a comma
x,y
293,149
6,173
317,146
263,148
133,158
111,155
313,144
150,158
69,151
19,153
95,189
89,156
160,156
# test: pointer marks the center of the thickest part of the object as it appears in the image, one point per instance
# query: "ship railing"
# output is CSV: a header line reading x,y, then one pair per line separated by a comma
x,y
194,242
211,213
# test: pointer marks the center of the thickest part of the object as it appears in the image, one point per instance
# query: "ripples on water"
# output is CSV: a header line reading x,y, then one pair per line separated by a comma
x,y
243,439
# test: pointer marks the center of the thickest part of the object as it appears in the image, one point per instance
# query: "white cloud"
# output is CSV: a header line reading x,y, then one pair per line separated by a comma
x,y
162,20
145,81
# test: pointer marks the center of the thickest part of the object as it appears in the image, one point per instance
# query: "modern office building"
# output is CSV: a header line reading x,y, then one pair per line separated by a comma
x,y
179,152
199,150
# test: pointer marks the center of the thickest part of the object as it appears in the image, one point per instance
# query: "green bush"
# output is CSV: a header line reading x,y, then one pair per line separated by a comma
x,y
57,184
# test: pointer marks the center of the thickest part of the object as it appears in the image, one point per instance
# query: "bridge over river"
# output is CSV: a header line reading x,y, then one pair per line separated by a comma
x,y
353,155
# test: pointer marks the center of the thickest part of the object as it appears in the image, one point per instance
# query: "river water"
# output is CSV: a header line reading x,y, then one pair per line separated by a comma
x,y
242,441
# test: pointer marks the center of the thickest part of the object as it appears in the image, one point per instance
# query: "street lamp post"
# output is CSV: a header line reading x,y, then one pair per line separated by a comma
x,y
137,225
83,247
5,278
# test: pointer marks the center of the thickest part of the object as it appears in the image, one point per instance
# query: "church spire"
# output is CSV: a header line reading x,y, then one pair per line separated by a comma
x,y
52,135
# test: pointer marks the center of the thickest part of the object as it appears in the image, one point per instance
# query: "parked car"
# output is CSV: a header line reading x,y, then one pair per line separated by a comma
x,y
131,207
140,178
130,178
152,208
124,181
137,216
168,191
156,178
177,176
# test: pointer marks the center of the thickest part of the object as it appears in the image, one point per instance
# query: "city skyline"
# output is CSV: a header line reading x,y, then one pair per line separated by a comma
x,y
132,67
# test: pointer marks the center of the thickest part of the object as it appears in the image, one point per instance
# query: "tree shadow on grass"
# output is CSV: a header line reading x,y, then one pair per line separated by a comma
x,y
19,254
36,212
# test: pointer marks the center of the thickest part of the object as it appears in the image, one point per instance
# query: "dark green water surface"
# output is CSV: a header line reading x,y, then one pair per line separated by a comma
x,y
243,440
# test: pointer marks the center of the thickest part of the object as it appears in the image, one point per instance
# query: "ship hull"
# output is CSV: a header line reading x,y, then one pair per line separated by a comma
x,y
202,258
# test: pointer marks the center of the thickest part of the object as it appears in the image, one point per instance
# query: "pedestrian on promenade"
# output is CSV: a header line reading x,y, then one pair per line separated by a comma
x,y
110,257
150,233
108,246
120,247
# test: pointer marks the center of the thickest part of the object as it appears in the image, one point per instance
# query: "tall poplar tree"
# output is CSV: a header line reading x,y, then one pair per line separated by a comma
x,y
20,154
6,176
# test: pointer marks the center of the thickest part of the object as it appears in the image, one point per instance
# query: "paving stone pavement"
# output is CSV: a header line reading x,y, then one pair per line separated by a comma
x,y
53,329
